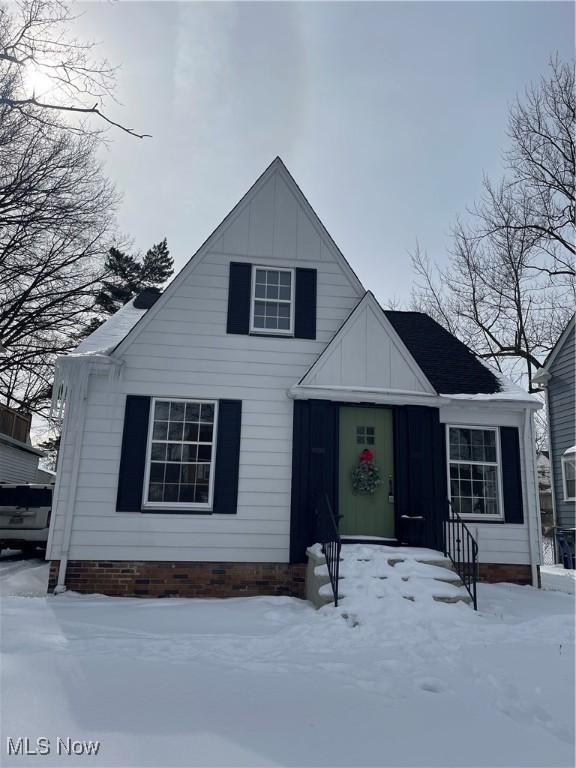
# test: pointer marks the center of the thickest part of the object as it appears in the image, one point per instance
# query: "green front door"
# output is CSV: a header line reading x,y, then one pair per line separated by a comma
x,y
366,514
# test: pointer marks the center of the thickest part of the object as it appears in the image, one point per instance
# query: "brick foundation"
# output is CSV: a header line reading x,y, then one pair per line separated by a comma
x,y
130,578
516,574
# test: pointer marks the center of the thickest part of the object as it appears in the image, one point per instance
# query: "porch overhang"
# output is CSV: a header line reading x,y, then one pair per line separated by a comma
x,y
383,396
361,395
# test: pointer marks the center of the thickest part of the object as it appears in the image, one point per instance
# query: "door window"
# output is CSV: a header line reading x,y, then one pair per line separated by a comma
x,y
365,435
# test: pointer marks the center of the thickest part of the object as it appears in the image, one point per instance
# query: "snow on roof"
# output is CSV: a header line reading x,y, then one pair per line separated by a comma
x,y
507,390
110,333
570,451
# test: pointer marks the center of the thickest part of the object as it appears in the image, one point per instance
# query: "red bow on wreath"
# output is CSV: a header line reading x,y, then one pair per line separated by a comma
x,y
366,475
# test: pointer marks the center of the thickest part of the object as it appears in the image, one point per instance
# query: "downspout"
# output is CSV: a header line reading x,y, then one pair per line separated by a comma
x,y
76,411
551,463
530,464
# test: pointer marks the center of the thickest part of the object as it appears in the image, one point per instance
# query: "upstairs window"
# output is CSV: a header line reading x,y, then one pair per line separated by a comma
x,y
474,469
272,308
569,473
181,450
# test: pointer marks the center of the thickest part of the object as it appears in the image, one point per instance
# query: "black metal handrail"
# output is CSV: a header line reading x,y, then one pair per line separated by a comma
x,y
327,531
462,549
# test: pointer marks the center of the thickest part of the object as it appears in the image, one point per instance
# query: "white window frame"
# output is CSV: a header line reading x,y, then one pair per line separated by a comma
x,y
564,459
273,331
497,464
184,505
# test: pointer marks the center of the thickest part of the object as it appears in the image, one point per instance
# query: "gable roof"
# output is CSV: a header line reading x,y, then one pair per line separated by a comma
x,y
448,364
275,167
367,353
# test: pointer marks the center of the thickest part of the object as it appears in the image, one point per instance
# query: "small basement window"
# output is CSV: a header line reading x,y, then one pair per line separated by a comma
x,y
474,472
272,309
568,462
180,454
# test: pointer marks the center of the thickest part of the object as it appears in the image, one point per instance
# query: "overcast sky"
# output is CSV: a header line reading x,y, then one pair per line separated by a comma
x,y
387,114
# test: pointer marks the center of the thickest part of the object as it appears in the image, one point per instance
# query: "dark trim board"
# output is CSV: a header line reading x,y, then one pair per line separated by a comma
x,y
314,469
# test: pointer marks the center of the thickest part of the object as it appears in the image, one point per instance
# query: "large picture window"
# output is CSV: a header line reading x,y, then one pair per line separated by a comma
x,y
180,458
569,474
272,301
474,469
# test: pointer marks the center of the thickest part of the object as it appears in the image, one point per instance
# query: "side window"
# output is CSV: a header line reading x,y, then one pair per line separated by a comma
x,y
272,309
279,301
474,467
180,456
569,474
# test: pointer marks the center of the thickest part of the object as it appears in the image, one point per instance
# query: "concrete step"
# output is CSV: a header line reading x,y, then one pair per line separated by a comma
x,y
455,599
419,573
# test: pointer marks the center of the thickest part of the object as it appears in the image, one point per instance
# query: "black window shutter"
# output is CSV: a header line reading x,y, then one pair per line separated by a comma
x,y
133,456
227,457
305,308
239,288
511,475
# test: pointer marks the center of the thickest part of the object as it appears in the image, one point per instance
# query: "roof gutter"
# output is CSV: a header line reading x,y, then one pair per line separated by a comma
x,y
20,446
398,397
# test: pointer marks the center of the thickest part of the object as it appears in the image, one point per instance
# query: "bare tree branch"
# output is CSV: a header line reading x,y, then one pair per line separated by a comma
x,y
38,51
509,286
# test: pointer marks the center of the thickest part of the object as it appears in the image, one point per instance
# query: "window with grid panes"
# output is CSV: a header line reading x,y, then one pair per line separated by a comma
x,y
273,300
473,457
181,453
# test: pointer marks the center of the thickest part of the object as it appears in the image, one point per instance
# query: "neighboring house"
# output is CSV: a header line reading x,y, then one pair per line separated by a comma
x,y
45,476
203,426
18,458
558,377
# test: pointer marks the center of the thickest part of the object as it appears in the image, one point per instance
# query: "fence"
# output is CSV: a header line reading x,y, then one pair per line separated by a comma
x,y
15,424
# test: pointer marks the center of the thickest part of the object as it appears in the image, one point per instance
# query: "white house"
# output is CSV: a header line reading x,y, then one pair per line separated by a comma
x,y
205,427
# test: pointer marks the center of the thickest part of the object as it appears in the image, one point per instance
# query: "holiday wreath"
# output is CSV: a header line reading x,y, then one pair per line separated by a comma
x,y
366,475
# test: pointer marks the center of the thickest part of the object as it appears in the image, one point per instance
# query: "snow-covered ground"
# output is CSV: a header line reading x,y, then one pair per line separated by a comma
x,y
558,578
272,682
27,577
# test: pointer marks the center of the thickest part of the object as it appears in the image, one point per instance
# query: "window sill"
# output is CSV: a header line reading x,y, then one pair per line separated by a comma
x,y
482,519
263,334
160,511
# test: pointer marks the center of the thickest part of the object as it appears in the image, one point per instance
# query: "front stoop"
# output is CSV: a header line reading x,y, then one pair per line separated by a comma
x,y
429,574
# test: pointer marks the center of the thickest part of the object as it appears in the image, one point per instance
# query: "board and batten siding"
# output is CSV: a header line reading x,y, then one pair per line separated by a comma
x,y
562,412
499,542
181,349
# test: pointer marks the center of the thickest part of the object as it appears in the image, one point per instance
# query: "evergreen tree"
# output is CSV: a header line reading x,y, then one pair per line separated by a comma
x,y
127,276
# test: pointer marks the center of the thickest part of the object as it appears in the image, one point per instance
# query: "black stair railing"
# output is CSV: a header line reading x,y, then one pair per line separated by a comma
x,y
462,549
327,531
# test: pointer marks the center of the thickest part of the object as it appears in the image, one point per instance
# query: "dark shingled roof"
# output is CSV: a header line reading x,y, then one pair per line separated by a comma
x,y
447,363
